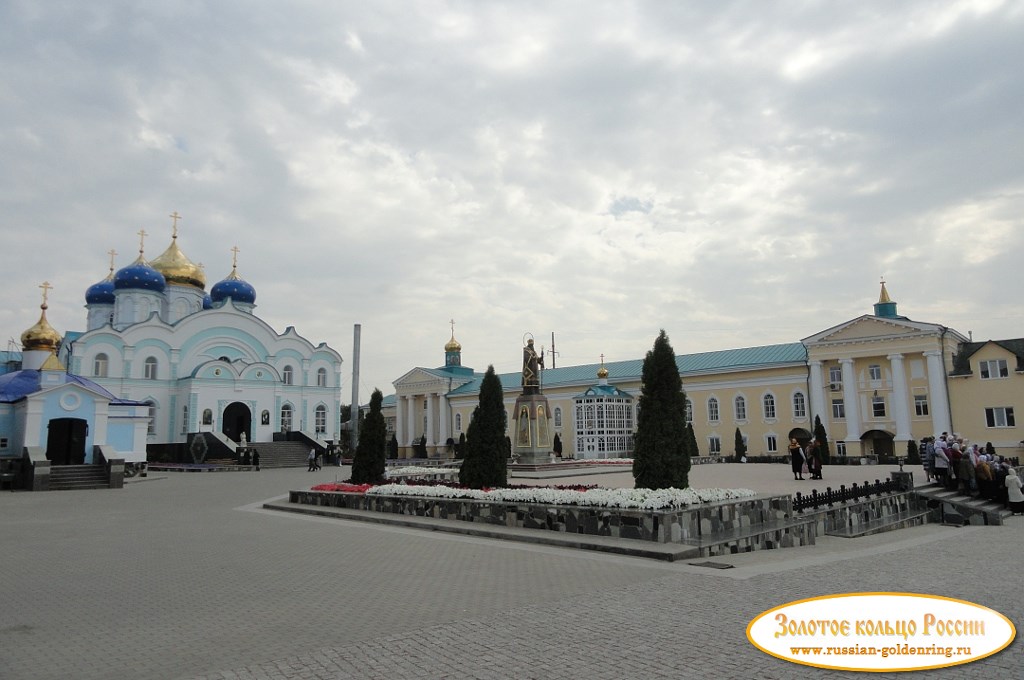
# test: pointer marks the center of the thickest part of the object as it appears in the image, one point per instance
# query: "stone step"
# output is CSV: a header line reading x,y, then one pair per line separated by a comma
x,y
900,520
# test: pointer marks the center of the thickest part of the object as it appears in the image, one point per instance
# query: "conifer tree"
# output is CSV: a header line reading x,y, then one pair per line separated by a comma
x,y
692,450
822,438
740,445
485,459
368,463
660,456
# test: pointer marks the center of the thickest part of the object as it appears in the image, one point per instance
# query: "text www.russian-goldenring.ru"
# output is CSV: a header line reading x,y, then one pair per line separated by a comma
x,y
884,652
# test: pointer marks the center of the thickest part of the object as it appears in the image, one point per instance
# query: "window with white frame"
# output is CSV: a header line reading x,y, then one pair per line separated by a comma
x,y
799,405
689,412
993,368
740,407
771,443
714,445
286,418
878,406
875,372
99,365
149,368
287,375
769,406
835,377
838,409
558,416
921,404
320,419
713,410
321,377
458,422
1000,416
151,428
840,448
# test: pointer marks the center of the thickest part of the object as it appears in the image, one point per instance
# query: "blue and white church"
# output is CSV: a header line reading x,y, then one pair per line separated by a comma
x,y
202,361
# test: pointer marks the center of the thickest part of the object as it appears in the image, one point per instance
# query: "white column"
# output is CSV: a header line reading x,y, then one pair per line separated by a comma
x,y
900,400
443,412
411,434
431,439
817,395
399,423
851,402
937,392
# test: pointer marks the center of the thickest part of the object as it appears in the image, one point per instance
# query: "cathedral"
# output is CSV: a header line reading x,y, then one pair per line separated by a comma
x,y
183,359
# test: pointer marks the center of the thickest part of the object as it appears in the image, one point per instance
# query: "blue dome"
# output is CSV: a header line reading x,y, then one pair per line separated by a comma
x,y
234,288
101,293
207,302
139,276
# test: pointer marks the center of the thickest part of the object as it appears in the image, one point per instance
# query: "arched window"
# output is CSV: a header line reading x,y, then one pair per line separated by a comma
x,y
207,417
321,377
741,408
286,375
558,416
99,365
799,405
321,419
769,406
149,369
689,412
286,418
713,410
458,422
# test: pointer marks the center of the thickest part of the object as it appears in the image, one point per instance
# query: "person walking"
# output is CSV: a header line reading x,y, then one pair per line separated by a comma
x,y
311,459
256,460
796,459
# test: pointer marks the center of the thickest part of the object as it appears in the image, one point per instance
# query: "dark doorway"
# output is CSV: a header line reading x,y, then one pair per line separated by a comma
x,y
65,441
879,441
237,419
800,434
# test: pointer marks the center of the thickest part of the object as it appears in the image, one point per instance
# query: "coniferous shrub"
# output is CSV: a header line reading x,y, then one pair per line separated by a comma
x,y
368,463
485,459
822,438
740,445
660,458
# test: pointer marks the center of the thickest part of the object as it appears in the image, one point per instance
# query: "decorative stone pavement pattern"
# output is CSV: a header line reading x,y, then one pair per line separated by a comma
x,y
168,579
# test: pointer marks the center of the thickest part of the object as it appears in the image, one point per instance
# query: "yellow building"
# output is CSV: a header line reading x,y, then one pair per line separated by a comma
x,y
876,382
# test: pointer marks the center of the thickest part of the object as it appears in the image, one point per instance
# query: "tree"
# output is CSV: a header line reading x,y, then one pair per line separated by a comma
x,y
821,437
368,464
692,450
913,455
741,446
393,447
660,457
485,460
461,446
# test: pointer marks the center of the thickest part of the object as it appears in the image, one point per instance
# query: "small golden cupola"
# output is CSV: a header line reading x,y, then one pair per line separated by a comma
x,y
452,350
602,373
176,268
42,336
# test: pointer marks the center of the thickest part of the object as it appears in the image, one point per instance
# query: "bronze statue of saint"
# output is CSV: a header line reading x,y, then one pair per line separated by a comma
x,y
532,365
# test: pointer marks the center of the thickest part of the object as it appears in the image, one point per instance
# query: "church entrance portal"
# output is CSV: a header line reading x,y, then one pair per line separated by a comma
x,y
237,419
65,441
879,442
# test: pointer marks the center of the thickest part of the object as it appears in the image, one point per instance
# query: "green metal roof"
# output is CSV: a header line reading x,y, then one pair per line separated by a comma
x,y
632,369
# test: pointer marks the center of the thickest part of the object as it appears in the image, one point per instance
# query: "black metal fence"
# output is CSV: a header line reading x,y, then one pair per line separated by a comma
x,y
842,494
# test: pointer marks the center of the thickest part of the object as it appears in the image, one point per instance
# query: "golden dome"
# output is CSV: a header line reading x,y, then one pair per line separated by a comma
x,y
42,336
453,345
177,268
602,372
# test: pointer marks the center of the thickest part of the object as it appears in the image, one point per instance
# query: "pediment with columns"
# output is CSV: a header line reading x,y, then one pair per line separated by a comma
x,y
870,328
425,379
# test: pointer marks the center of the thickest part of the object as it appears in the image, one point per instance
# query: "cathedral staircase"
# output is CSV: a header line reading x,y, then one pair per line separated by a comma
x,y
952,507
74,477
282,454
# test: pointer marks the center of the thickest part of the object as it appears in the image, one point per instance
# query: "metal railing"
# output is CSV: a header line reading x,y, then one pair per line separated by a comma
x,y
843,494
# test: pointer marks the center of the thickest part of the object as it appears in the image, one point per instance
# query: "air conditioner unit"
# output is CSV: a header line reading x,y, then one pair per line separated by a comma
x,y
835,387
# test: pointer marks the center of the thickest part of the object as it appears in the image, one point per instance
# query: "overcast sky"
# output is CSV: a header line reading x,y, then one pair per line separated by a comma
x,y
737,173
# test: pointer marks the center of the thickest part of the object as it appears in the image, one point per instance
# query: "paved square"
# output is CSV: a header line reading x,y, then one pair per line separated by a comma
x,y
184,576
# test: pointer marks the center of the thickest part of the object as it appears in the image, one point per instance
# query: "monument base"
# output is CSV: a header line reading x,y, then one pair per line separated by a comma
x,y
532,439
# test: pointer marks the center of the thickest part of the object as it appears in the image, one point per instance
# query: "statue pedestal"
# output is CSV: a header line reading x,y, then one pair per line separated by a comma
x,y
531,435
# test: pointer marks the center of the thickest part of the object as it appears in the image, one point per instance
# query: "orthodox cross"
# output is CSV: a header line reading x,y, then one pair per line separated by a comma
x,y
142,239
234,257
174,227
112,253
452,322
46,289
